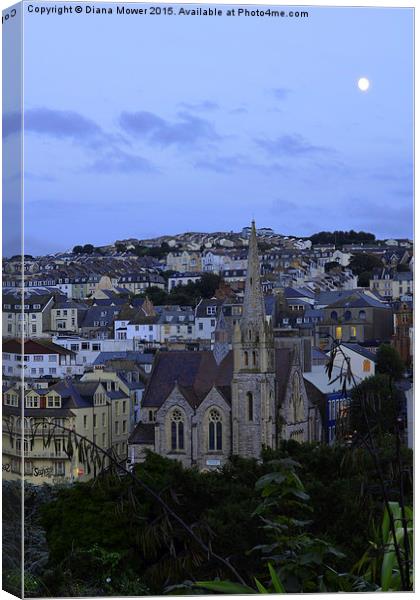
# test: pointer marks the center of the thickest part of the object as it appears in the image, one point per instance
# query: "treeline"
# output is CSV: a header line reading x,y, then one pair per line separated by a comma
x,y
184,295
342,237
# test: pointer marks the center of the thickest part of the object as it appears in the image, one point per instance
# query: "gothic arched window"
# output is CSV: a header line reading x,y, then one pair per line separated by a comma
x,y
177,430
215,430
254,358
246,360
297,400
334,315
250,406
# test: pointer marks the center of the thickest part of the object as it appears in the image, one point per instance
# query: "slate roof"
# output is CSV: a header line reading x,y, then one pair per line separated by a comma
x,y
144,433
138,357
196,373
360,350
104,315
35,347
358,300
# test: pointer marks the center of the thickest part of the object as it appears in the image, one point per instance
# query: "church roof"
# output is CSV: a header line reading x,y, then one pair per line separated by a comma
x,y
196,373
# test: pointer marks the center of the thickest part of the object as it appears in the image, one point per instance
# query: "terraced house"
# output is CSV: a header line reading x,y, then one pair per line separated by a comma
x,y
92,409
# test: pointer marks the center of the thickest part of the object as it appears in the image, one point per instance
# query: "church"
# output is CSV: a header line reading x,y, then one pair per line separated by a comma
x,y
201,407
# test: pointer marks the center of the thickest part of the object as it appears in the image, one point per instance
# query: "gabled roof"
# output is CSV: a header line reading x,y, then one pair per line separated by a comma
x,y
35,347
358,300
360,350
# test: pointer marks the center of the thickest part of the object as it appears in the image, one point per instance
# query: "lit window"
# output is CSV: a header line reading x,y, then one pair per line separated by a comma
x,y
338,333
366,366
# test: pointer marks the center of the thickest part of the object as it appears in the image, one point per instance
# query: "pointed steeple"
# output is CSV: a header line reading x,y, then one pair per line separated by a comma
x,y
253,310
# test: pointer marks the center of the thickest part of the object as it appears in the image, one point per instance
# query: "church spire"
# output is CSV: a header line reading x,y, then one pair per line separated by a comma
x,y
253,310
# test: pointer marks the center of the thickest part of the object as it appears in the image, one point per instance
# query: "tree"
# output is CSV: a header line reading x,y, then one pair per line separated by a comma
x,y
208,284
361,263
329,266
78,250
88,249
374,406
389,362
403,268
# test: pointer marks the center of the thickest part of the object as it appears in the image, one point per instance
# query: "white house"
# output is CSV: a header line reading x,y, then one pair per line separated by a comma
x,y
40,359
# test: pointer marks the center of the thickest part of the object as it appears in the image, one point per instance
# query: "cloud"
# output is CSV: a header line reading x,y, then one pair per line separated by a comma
x,y
291,145
238,111
119,161
229,164
63,124
189,130
280,93
206,105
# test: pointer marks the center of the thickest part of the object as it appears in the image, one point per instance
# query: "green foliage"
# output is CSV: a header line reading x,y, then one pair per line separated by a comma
x,y
304,509
185,295
363,265
374,406
389,362
341,237
329,266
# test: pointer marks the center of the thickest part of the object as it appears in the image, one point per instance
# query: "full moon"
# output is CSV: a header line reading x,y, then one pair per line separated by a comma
x,y
363,84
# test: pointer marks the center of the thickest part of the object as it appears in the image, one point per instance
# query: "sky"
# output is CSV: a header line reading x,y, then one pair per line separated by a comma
x,y
139,126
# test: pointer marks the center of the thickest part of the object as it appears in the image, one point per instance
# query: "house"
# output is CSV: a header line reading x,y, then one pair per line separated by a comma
x,y
403,327
206,313
67,316
183,261
89,409
33,318
182,279
41,358
355,318
138,282
362,360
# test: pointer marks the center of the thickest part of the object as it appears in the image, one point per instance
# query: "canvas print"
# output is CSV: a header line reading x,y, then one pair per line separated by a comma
x,y
207,299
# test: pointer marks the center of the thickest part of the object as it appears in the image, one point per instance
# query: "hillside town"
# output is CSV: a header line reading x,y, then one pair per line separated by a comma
x,y
193,345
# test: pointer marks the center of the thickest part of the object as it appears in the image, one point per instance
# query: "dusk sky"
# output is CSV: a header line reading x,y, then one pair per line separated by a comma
x,y
143,126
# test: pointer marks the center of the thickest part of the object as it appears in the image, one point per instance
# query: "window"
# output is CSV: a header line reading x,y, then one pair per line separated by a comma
x,y
124,406
353,332
338,333
59,468
85,421
362,315
254,358
117,427
334,315
94,420
211,310
52,358
32,402
103,440
38,358
177,430
215,430
366,366
96,347
200,326
52,371
246,358
347,315
53,402
250,406
124,426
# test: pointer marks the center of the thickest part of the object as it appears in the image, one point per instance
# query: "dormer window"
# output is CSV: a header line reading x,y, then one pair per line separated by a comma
x,y
53,402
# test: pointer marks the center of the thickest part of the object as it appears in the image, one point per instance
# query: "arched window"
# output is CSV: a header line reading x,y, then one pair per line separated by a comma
x,y
347,315
177,430
334,315
362,315
254,358
246,360
215,430
250,405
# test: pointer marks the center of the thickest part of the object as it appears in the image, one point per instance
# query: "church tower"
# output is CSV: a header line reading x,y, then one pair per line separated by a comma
x,y
253,384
